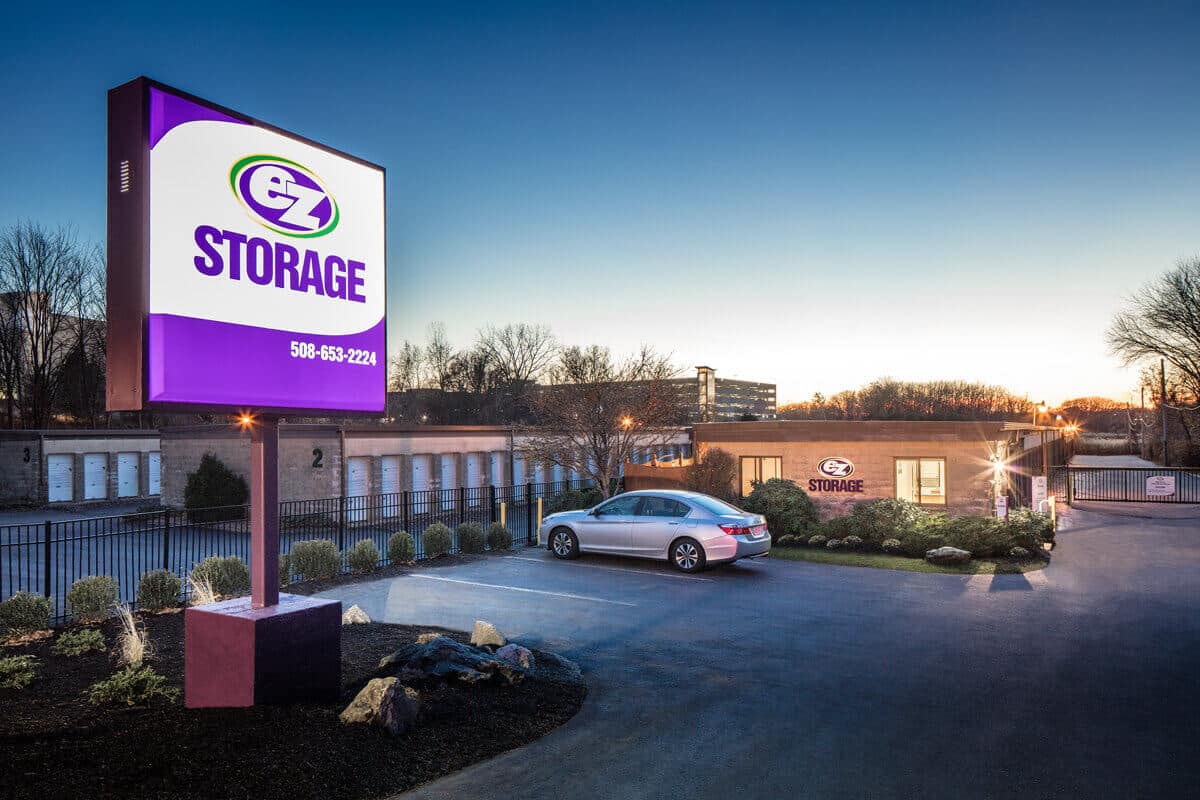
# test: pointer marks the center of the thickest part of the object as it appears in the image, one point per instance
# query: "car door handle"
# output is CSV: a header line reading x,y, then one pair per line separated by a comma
x,y
672,523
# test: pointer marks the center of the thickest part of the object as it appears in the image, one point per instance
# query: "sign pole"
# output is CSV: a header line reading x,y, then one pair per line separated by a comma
x,y
264,511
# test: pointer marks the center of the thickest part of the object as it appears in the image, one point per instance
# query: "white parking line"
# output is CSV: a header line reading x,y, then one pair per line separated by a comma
x,y
522,589
612,569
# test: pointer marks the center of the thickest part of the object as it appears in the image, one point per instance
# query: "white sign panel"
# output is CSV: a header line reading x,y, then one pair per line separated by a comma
x,y
1039,492
1002,507
1160,486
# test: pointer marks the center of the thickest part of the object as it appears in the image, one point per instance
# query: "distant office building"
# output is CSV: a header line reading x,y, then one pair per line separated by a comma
x,y
712,399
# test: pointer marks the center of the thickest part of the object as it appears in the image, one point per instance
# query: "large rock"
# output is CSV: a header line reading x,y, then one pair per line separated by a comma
x,y
486,634
355,616
425,638
947,555
442,658
516,655
384,702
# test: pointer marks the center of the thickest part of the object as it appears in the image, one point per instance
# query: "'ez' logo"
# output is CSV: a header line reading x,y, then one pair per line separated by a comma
x,y
284,196
836,467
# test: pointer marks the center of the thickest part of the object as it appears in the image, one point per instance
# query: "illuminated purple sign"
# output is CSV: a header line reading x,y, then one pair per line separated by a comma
x,y
247,265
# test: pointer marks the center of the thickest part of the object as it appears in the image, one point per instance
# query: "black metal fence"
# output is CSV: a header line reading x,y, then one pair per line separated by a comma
x,y
1022,470
47,557
1127,484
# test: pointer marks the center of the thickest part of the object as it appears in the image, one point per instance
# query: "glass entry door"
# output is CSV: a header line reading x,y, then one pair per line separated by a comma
x,y
908,481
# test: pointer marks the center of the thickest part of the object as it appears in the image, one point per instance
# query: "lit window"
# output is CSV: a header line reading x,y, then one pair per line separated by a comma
x,y
756,469
921,480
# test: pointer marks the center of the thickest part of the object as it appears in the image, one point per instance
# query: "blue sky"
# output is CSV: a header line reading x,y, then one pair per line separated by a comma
x,y
812,196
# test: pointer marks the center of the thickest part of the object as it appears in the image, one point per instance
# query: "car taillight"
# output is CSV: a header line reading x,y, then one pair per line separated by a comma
x,y
735,530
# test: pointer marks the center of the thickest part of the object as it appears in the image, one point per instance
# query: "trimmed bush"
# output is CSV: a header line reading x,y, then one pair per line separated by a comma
x,y
499,537
133,686
852,542
1019,553
833,544
214,492
401,549
316,559
1029,529
838,527
229,576
285,570
25,612
158,589
363,556
470,538
980,536
887,518
92,599
892,546
787,540
817,541
786,506
76,643
436,540
714,473
17,672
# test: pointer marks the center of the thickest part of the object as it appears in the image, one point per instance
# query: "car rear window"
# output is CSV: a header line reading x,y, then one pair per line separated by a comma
x,y
715,506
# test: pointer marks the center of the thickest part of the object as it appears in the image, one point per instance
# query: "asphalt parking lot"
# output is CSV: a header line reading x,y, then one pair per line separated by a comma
x,y
773,678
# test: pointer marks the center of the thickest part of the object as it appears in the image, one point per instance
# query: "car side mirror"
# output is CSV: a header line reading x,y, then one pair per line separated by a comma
x,y
595,512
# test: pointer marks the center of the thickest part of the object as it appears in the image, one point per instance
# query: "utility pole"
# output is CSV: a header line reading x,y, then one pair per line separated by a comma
x,y
1162,404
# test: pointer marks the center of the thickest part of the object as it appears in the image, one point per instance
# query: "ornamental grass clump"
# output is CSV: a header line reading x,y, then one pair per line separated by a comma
x,y
76,643
133,643
133,686
24,612
17,672
436,540
401,549
228,576
316,559
470,538
363,556
92,599
202,590
158,590
499,537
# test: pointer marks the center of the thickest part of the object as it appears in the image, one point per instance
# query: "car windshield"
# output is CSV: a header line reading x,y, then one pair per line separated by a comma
x,y
714,506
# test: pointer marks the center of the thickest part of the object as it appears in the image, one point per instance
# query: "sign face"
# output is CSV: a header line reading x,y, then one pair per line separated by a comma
x,y
836,471
1039,491
260,256
1002,507
1160,486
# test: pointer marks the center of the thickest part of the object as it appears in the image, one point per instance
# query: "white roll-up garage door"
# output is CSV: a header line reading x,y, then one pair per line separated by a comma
x,y
60,478
127,474
518,476
95,476
475,478
558,473
390,477
449,464
154,473
497,467
420,473
358,470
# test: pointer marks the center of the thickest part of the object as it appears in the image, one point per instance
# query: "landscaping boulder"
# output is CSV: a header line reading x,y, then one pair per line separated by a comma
x,y
442,658
386,703
425,638
516,655
947,555
485,634
355,616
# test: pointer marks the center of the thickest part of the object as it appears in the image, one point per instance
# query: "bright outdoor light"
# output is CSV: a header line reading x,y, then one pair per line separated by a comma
x,y
626,422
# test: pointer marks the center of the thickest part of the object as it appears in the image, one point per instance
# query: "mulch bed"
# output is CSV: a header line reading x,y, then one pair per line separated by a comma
x,y
53,744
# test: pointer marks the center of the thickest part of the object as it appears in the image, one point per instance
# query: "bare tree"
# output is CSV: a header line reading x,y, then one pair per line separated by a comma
x,y
1163,321
596,411
406,368
519,351
438,355
38,268
714,472
12,354
81,371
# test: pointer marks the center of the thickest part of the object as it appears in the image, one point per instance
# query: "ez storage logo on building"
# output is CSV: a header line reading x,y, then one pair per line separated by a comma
x,y
283,196
836,471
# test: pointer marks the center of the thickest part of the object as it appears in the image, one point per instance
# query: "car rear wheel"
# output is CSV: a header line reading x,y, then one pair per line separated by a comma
x,y
563,543
687,555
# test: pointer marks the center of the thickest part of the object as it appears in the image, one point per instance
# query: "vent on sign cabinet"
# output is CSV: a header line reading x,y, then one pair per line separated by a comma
x,y
126,176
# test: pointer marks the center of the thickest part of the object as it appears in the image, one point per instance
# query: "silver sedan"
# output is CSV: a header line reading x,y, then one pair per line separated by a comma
x,y
689,529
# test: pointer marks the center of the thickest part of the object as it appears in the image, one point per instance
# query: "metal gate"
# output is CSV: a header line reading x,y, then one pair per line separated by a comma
x,y
1127,484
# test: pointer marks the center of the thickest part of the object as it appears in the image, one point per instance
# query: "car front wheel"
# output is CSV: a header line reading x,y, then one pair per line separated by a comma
x,y
687,555
563,543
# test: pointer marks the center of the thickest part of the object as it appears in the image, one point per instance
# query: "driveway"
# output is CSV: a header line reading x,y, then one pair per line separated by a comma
x,y
786,679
